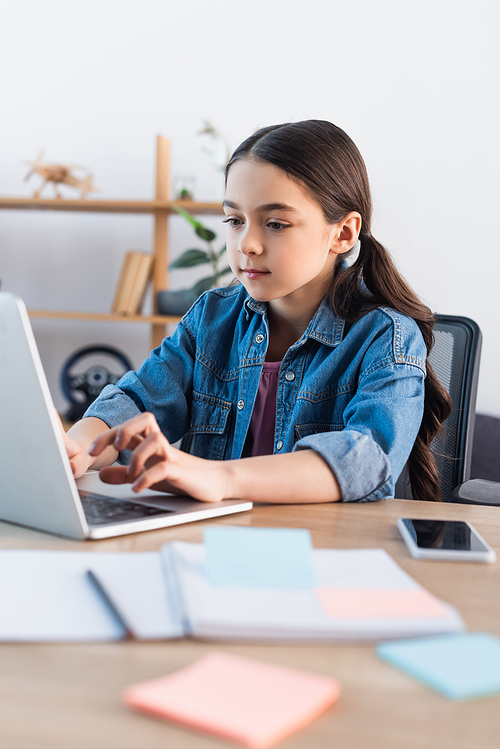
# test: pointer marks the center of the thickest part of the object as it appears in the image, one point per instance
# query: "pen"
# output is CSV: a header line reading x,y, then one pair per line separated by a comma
x,y
128,632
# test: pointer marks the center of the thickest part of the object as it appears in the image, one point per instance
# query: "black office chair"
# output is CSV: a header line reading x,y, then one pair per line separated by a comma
x,y
455,360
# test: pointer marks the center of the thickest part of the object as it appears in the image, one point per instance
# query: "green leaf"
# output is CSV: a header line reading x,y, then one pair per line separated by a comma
x,y
207,234
190,219
204,285
221,252
189,258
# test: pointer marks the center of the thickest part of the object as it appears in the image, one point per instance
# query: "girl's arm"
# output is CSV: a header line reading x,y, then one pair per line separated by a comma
x,y
299,477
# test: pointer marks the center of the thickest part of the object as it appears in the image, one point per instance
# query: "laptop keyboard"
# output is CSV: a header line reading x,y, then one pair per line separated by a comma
x,y
101,510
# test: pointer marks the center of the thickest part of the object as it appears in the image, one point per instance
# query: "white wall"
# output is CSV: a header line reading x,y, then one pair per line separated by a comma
x,y
415,83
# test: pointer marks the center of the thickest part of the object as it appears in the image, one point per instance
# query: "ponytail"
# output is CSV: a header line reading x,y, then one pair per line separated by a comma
x,y
371,282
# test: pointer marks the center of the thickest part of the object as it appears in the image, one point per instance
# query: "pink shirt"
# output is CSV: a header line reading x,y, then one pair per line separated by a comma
x,y
260,437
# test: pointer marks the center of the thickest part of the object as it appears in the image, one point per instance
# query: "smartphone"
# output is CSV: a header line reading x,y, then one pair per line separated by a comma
x,y
451,540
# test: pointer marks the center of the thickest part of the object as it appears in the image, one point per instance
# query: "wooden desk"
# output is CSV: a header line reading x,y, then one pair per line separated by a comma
x,y
68,696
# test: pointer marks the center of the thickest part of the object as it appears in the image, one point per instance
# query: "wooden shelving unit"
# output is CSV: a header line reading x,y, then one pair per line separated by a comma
x,y
161,208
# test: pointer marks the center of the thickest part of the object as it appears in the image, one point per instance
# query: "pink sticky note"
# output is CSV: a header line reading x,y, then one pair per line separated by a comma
x,y
351,603
251,702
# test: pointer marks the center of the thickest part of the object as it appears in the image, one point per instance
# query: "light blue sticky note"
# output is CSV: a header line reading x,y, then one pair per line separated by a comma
x,y
259,557
460,666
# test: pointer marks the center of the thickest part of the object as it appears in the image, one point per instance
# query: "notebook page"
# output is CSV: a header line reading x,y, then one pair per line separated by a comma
x,y
46,596
137,585
359,568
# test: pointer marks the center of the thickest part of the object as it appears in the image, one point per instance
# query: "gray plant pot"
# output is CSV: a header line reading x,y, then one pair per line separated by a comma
x,y
175,303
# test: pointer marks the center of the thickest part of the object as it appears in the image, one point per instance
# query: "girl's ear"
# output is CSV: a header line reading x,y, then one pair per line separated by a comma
x,y
346,233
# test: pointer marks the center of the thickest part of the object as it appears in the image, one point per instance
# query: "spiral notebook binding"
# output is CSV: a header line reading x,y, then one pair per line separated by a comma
x,y
173,589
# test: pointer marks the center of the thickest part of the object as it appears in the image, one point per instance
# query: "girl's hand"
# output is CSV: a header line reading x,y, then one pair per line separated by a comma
x,y
78,455
155,464
79,458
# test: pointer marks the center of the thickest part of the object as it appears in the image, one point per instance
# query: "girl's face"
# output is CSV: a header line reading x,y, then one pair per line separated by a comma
x,y
278,242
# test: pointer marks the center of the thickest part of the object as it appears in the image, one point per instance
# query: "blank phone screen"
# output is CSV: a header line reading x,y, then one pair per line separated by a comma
x,y
449,535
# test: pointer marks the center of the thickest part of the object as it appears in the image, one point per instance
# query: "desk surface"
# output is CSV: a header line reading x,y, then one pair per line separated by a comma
x,y
67,696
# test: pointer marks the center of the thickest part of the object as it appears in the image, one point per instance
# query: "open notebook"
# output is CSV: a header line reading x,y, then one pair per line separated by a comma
x,y
359,595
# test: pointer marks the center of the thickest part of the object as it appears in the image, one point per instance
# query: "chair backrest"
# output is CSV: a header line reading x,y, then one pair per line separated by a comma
x,y
455,360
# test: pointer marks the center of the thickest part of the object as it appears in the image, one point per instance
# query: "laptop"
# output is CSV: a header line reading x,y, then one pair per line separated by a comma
x,y
37,488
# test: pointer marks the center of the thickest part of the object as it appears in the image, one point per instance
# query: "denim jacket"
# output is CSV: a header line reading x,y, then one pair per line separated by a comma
x,y
354,394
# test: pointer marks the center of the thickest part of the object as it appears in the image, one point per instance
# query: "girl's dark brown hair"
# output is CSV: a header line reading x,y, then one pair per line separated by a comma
x,y
322,158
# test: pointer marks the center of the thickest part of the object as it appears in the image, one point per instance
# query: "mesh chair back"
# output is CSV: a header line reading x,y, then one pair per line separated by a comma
x,y
455,360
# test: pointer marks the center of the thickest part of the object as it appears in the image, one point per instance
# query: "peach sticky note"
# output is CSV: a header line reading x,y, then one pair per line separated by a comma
x,y
372,603
251,702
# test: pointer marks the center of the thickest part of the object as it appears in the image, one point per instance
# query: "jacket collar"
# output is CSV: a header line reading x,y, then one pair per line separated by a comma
x,y
325,326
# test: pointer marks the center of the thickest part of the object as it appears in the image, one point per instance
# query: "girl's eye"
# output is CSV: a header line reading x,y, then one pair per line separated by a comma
x,y
232,221
277,226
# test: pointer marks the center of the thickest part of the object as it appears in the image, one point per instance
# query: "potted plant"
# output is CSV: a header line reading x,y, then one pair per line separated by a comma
x,y
178,302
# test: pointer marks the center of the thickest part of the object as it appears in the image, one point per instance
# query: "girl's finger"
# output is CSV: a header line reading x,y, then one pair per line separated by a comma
x,y
101,442
151,476
131,444
114,475
126,435
154,446
139,426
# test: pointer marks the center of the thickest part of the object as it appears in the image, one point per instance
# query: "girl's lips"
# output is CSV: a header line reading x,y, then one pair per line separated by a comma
x,y
251,273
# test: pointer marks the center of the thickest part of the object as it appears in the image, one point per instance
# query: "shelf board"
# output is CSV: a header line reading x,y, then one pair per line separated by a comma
x,y
104,317
191,206
109,206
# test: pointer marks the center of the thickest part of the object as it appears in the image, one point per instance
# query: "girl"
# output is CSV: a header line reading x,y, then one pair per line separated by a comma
x,y
313,371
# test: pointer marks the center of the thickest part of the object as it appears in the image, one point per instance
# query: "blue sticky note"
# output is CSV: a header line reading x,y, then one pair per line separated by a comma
x,y
460,666
259,557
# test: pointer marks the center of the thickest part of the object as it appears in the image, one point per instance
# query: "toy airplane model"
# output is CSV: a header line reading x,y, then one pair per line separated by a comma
x,y
60,174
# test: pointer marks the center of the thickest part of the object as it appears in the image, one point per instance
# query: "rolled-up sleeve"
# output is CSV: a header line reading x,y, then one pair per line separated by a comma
x,y
162,385
113,406
381,423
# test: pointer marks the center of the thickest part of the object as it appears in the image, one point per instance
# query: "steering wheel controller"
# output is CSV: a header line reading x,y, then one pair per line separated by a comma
x,y
82,388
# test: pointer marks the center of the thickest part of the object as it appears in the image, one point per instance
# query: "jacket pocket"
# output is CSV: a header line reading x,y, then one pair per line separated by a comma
x,y
209,426
305,430
321,412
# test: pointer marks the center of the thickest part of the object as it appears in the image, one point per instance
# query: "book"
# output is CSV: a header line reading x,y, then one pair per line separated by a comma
x,y
124,287
241,699
118,306
140,283
132,284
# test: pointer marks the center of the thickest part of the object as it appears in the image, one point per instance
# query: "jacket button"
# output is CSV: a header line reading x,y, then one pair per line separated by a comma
x,y
279,445
259,338
290,376
241,404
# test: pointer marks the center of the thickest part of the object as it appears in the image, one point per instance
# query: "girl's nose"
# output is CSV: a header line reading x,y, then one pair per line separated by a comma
x,y
250,244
